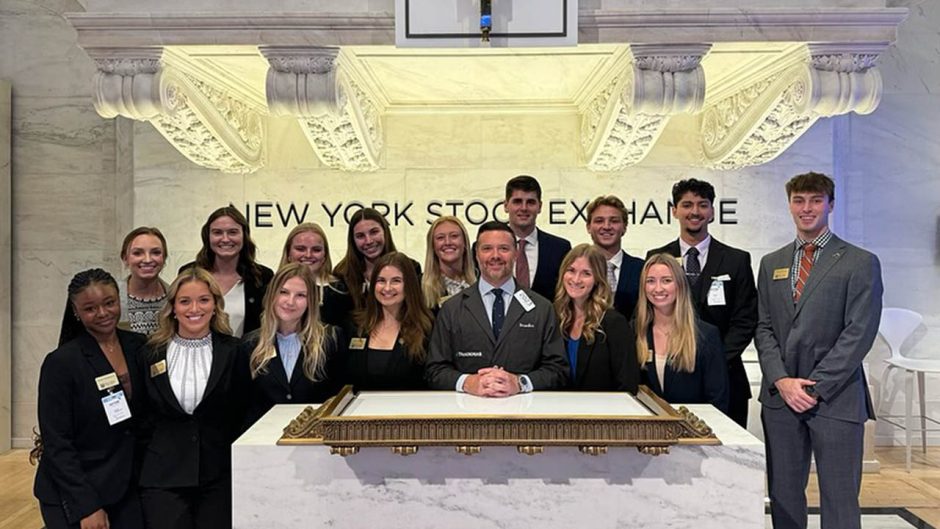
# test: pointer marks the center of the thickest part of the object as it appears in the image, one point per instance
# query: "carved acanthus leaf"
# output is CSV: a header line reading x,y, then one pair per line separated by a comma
x,y
844,62
295,64
351,139
127,66
668,63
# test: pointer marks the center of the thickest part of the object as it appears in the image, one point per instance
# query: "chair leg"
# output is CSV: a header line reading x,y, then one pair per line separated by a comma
x,y
883,391
908,415
923,410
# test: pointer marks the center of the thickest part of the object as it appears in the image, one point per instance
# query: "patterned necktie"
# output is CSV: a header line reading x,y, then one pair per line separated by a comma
x,y
499,311
612,276
806,264
692,267
522,265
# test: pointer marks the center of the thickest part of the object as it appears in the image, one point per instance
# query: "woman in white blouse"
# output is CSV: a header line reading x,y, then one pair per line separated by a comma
x,y
194,409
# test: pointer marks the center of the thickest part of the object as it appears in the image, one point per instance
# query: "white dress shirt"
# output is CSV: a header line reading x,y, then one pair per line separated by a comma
x,y
188,363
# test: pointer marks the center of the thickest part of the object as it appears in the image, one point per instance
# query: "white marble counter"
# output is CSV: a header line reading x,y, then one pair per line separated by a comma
x,y
304,486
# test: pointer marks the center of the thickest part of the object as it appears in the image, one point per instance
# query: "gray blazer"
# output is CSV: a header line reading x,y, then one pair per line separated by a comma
x,y
826,335
462,342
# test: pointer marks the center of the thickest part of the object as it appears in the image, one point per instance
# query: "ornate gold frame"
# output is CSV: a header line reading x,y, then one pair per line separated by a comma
x,y
652,435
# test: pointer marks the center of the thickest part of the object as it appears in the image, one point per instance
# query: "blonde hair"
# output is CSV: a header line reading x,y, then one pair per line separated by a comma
x,y
432,283
682,342
325,273
312,333
166,320
599,299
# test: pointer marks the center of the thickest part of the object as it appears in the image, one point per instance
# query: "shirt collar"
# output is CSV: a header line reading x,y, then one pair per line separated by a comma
x,y
531,239
617,259
821,240
508,287
702,247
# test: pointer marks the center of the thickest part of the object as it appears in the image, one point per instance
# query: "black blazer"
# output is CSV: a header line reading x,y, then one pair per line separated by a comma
x,y
737,319
552,251
254,296
190,450
707,384
336,305
86,463
608,364
400,373
628,285
273,386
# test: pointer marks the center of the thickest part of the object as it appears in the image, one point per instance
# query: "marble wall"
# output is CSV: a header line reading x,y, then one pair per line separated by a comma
x,y
6,276
80,181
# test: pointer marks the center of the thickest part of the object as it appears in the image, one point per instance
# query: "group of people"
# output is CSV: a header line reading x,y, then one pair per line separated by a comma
x,y
152,382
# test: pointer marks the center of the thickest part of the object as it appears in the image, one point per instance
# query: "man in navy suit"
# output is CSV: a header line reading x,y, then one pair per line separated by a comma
x,y
538,254
607,224
722,282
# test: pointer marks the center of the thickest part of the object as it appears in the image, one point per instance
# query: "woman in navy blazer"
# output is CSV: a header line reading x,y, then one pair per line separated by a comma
x,y
601,353
195,409
293,358
681,357
86,476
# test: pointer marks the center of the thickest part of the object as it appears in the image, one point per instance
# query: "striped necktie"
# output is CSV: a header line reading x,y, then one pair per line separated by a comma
x,y
806,264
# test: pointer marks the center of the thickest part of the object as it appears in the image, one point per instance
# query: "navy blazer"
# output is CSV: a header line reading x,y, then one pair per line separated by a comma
x,y
86,463
707,384
190,450
609,363
273,385
628,285
552,251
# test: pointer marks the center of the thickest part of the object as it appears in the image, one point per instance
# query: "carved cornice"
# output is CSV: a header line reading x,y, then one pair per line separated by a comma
x,y
661,81
758,123
341,121
206,124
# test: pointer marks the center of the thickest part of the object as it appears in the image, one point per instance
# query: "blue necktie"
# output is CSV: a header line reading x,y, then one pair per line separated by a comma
x,y
499,311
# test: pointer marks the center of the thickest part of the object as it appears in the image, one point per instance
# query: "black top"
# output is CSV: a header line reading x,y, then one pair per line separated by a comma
x,y
377,369
336,305
273,385
86,463
609,363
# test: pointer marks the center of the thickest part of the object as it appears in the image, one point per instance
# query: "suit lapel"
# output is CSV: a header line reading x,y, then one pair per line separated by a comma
x,y
716,253
585,352
162,381
218,365
831,253
512,317
95,357
277,369
474,305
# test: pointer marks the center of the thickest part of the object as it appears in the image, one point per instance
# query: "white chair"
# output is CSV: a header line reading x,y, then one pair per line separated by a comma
x,y
897,325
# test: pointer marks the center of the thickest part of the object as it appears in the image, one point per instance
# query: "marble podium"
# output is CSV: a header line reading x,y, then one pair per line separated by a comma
x,y
702,486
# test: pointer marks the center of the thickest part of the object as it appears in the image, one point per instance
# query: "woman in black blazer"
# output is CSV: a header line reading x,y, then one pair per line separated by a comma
x,y
86,476
681,357
293,358
194,409
307,244
387,345
601,352
228,253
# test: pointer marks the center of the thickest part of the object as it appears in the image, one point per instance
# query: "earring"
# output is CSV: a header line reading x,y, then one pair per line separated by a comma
x,y
77,318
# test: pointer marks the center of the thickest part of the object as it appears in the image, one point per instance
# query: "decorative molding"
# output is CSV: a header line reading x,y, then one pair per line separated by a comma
x,y
661,80
341,121
761,121
206,124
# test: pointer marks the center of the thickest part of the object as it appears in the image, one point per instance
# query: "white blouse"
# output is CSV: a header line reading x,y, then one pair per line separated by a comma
x,y
235,308
188,363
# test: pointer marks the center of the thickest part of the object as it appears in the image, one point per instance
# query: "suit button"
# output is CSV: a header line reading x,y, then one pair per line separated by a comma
x,y
289,396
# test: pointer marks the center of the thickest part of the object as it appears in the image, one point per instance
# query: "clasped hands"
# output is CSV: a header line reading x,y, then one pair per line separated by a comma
x,y
492,382
791,389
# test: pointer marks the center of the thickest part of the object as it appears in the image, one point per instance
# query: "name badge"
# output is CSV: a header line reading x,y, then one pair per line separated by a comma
x,y
716,293
526,325
115,407
781,273
469,354
524,300
357,343
106,381
158,369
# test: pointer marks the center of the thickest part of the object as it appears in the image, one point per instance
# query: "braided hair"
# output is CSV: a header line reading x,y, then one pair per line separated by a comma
x,y
71,325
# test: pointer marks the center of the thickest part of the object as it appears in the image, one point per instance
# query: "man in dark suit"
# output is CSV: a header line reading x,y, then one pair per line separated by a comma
x,y
496,338
607,224
819,309
721,281
543,251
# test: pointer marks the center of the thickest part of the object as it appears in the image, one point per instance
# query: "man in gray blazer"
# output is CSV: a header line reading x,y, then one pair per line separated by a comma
x,y
496,339
819,303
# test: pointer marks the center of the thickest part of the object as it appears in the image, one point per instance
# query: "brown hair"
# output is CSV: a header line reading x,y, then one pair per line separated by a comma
x,y
353,266
247,266
142,230
608,200
811,183
599,299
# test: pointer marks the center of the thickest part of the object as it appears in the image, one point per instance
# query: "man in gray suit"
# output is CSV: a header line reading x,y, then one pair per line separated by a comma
x,y
819,307
494,338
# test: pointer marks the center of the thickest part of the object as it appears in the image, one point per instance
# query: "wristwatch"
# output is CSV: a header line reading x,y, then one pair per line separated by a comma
x,y
811,391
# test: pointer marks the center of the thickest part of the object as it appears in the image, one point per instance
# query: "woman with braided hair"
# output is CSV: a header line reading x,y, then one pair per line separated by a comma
x,y
89,411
